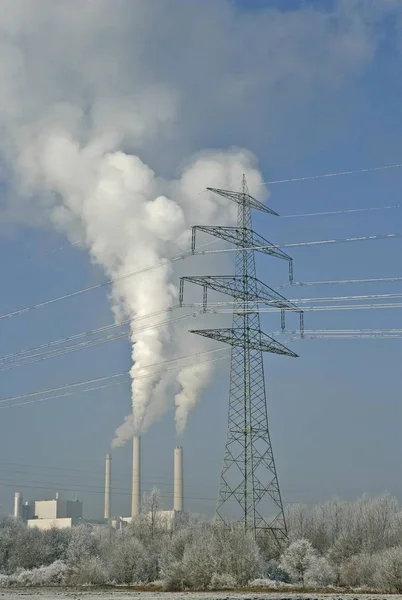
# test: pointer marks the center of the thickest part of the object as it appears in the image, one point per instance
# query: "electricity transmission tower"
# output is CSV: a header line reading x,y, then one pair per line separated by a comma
x,y
249,480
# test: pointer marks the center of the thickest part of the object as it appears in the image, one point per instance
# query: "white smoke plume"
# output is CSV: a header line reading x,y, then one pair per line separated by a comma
x,y
116,206
113,204
85,103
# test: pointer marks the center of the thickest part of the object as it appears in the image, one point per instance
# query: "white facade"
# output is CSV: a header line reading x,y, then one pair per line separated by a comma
x,y
46,524
58,509
63,513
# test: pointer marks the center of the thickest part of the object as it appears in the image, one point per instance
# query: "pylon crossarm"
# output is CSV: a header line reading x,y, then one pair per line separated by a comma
x,y
233,285
241,237
256,340
243,199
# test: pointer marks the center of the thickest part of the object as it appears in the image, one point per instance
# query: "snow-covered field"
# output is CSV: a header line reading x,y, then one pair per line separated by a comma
x,y
88,594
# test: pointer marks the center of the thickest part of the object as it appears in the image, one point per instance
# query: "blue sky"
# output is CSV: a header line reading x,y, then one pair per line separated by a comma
x,y
335,412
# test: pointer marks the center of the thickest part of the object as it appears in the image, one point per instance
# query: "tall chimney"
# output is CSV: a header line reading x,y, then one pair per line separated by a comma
x,y
18,505
178,479
108,486
136,490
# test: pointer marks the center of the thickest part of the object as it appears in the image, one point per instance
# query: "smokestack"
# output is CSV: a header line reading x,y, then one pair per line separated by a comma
x,y
18,505
178,479
108,486
136,493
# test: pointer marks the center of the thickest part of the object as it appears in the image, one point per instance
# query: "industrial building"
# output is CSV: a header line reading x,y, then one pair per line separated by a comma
x,y
47,514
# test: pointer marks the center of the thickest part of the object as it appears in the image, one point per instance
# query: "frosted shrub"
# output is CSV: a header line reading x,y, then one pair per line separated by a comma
x,y
91,571
359,570
263,582
174,577
238,554
390,569
223,581
127,560
4,581
82,544
298,559
199,561
320,573
273,572
54,574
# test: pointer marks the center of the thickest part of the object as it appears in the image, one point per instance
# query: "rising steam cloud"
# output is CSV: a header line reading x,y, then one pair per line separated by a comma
x,y
72,151
90,92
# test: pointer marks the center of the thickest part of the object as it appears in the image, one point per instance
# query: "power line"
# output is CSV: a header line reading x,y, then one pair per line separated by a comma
x,y
343,334
319,308
107,282
340,212
349,298
112,384
44,485
85,290
342,281
336,174
11,361
316,299
183,256
106,377
83,334
364,238
341,331
350,336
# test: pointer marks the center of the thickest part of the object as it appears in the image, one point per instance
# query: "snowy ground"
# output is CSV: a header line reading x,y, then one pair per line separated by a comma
x,y
79,594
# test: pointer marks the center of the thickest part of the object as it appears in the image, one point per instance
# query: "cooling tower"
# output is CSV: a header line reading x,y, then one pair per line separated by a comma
x,y
18,505
178,479
136,489
108,486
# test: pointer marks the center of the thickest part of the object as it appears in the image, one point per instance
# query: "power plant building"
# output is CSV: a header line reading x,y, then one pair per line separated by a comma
x,y
48,514
58,513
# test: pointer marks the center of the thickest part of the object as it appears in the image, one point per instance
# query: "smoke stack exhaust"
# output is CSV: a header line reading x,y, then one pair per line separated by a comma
x,y
178,479
108,486
136,490
18,505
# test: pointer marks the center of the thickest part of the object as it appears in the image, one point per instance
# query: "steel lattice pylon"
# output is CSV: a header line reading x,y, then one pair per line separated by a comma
x,y
249,475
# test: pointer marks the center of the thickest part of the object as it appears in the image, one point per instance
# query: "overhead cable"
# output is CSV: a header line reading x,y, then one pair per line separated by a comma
x,y
183,256
116,383
364,238
23,358
336,174
106,377
340,212
107,282
342,281
224,303
314,308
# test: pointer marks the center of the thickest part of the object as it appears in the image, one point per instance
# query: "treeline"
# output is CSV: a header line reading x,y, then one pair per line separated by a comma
x,y
340,544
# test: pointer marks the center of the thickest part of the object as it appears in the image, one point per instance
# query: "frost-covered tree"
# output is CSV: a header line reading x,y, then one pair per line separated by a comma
x,y
83,544
56,542
200,559
320,573
11,530
237,554
151,506
298,558
390,569
127,560
359,570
